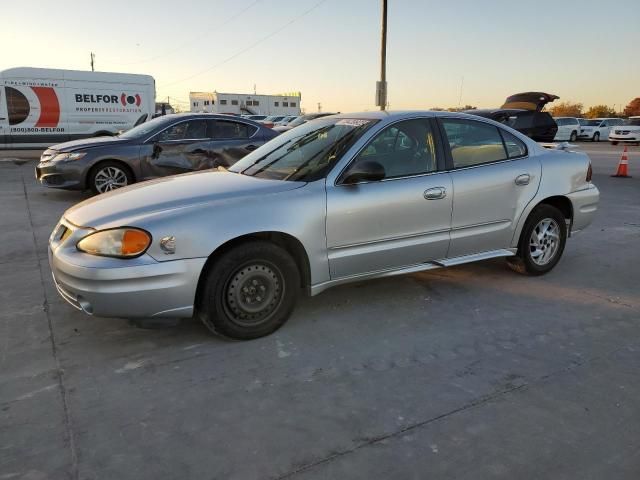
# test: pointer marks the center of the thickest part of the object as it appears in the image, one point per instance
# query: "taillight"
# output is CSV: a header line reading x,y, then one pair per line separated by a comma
x,y
589,172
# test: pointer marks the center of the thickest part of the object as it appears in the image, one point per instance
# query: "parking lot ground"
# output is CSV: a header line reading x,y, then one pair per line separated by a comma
x,y
471,372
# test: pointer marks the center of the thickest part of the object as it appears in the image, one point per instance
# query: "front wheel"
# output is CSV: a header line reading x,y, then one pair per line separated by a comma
x,y
541,243
614,143
574,136
250,291
107,176
596,137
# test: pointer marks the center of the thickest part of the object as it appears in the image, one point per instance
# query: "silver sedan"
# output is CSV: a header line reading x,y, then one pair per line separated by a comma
x,y
338,199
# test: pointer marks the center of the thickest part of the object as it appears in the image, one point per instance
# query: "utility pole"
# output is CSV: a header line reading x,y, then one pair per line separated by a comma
x,y
92,58
381,87
319,107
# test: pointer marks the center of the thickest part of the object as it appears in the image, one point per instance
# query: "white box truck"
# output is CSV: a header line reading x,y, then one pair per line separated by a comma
x,y
41,107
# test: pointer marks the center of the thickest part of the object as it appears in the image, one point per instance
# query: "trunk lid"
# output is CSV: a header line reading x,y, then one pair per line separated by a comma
x,y
529,100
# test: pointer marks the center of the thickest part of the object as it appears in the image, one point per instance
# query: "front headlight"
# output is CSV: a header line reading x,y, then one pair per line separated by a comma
x,y
117,242
68,156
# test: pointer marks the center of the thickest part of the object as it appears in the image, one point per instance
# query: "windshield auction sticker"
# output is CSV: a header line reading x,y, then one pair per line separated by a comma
x,y
352,122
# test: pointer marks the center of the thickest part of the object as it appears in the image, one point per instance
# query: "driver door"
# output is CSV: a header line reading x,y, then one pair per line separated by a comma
x,y
399,221
180,148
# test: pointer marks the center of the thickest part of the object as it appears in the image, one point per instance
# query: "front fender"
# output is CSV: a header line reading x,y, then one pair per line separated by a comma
x,y
200,229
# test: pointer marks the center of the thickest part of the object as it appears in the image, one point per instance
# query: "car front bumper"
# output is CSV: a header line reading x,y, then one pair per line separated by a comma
x,y
586,134
585,206
125,288
629,137
69,175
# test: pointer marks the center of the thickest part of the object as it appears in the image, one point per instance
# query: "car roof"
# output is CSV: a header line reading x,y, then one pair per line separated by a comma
x,y
206,116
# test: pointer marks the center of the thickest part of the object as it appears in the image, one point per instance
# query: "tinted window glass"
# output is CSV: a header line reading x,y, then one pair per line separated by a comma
x,y
403,149
193,129
515,147
223,129
473,143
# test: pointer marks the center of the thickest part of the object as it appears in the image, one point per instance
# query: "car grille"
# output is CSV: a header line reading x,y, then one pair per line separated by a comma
x,y
623,132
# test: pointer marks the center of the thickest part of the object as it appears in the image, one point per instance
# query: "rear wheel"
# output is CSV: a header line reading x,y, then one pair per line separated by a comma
x,y
596,137
574,136
250,291
107,176
541,243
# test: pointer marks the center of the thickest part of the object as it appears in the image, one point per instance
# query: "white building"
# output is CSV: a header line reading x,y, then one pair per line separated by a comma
x,y
245,103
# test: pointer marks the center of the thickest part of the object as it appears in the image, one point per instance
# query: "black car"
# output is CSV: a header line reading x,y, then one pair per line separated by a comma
x,y
166,145
523,112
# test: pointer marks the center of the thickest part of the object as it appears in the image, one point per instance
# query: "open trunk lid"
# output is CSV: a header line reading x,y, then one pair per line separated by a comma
x,y
529,100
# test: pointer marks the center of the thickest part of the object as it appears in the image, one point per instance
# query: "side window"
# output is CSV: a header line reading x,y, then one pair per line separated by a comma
x,y
515,147
193,129
403,149
222,129
473,143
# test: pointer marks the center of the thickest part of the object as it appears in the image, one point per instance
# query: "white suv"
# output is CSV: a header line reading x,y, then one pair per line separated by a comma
x,y
598,128
568,129
628,132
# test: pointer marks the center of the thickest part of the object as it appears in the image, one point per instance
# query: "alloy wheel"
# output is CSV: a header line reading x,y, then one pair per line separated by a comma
x,y
544,241
110,178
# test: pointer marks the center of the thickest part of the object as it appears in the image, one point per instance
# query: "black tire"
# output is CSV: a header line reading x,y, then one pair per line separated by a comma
x,y
96,185
614,143
573,137
524,261
255,271
596,137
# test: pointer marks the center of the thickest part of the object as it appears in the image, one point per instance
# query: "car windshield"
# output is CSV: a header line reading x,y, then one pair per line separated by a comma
x,y
592,123
633,121
306,153
143,130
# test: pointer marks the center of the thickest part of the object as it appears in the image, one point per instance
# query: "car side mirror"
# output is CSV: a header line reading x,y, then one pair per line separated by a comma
x,y
365,171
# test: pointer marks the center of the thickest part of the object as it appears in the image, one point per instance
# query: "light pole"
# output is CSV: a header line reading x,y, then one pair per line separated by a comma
x,y
381,87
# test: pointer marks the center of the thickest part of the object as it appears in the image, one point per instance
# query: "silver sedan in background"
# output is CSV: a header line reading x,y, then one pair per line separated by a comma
x,y
338,199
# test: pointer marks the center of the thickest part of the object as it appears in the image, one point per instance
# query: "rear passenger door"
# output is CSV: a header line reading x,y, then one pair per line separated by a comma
x,y
230,140
493,178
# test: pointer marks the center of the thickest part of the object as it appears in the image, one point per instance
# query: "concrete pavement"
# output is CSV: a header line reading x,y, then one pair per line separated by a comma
x,y
470,372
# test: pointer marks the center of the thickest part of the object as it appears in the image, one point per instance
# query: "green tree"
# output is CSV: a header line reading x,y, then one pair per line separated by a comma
x,y
600,111
633,109
566,109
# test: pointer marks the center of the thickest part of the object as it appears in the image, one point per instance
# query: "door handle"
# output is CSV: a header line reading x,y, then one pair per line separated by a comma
x,y
523,179
250,147
435,193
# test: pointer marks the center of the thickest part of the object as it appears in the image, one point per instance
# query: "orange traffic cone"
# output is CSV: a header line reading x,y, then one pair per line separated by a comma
x,y
622,166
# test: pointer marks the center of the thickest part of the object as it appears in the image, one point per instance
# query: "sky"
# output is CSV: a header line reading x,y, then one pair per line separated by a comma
x,y
439,54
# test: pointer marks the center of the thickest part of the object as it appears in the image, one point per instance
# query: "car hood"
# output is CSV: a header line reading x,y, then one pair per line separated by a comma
x,y
88,143
171,193
632,128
